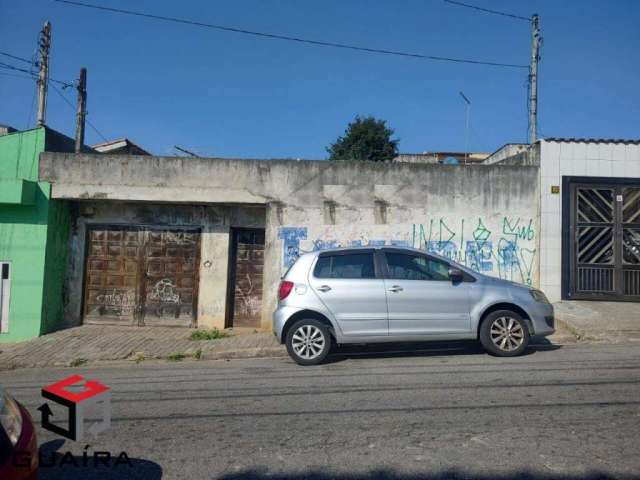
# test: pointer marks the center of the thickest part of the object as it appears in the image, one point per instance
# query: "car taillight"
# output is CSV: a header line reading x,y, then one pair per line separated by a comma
x,y
285,289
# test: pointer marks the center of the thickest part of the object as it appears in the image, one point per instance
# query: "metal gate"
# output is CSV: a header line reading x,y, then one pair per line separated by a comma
x,y
245,282
141,275
604,241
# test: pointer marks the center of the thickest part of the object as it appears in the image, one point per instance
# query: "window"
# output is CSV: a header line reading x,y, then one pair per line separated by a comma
x,y
353,265
416,267
4,297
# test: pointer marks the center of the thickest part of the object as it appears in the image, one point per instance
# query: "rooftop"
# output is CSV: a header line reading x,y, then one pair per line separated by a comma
x,y
591,140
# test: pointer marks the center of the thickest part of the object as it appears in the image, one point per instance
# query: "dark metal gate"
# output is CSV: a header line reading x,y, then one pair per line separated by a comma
x,y
604,241
140,275
245,280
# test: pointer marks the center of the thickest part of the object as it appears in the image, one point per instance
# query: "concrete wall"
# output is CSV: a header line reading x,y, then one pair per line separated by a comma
x,y
573,158
485,217
214,221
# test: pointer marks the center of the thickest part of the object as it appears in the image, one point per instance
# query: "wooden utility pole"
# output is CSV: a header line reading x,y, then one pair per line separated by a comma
x,y
43,77
533,78
82,109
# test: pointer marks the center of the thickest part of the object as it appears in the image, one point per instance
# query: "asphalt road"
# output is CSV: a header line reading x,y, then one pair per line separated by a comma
x,y
558,412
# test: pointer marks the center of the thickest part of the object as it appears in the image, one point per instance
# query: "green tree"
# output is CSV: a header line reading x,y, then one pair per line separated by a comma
x,y
365,139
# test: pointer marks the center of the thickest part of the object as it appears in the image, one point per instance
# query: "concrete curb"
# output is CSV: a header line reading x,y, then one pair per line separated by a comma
x,y
246,353
583,336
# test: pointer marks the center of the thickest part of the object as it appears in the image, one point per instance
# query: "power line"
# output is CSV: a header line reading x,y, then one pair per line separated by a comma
x,y
291,39
16,75
18,69
22,59
66,100
486,10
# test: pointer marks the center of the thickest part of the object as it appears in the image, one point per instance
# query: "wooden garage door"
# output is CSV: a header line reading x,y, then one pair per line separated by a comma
x,y
171,258
141,276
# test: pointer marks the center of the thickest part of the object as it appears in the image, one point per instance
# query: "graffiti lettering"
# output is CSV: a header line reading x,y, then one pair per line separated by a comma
x,y
509,254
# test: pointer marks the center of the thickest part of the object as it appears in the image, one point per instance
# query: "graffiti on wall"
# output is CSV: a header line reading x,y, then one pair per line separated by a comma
x,y
508,252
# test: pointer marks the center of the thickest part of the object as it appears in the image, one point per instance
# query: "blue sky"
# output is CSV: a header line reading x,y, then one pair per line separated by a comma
x,y
226,94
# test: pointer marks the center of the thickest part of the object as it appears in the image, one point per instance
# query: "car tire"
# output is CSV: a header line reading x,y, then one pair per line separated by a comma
x,y
504,333
308,342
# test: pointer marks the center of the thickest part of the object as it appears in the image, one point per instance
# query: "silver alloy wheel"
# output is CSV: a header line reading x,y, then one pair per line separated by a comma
x,y
506,333
308,342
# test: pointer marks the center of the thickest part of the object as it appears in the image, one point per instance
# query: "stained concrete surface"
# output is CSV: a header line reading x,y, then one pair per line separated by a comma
x,y
601,321
559,412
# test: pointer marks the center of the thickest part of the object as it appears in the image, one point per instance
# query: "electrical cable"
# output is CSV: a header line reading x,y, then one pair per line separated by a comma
x,y
66,100
18,69
486,10
290,38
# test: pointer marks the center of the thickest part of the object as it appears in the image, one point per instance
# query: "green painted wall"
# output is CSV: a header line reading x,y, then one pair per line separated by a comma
x,y
32,236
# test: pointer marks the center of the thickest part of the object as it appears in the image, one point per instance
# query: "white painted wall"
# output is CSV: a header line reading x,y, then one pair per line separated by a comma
x,y
558,159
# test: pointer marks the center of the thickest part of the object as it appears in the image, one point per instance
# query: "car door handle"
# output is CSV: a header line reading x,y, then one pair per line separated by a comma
x,y
324,288
396,288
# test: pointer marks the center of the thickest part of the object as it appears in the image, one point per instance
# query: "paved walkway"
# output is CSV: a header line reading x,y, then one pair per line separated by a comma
x,y
612,322
91,343
96,343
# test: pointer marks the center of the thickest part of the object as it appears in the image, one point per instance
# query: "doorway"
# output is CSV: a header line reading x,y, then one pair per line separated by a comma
x,y
603,239
141,275
246,264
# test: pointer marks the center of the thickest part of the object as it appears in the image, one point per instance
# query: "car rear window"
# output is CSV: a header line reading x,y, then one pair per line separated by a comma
x,y
352,265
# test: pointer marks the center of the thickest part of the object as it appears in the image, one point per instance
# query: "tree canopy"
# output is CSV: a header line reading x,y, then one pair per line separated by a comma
x,y
366,138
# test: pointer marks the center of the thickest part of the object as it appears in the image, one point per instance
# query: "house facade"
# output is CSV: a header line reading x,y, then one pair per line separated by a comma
x,y
204,242
590,218
33,237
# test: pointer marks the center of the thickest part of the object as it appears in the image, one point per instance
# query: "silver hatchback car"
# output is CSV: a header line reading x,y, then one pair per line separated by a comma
x,y
391,294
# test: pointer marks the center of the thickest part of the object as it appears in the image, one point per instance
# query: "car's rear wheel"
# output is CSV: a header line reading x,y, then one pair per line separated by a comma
x,y
504,333
308,342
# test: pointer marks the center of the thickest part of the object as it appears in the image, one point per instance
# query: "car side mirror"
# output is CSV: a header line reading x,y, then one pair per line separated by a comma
x,y
455,275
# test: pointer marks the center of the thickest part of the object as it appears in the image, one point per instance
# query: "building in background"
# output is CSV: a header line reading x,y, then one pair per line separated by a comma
x,y
121,146
445,158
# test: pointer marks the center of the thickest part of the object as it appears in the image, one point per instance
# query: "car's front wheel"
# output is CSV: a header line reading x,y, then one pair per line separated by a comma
x,y
504,333
308,342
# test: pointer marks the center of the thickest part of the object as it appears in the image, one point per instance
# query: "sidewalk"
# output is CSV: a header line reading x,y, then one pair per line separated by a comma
x,y
94,343
613,322
89,344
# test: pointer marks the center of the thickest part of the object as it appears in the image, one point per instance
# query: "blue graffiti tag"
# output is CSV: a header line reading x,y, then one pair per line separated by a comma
x,y
291,237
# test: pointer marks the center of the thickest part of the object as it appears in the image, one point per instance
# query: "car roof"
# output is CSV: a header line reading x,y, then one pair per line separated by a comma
x,y
379,247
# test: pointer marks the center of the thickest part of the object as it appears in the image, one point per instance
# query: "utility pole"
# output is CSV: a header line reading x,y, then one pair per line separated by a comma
x,y
533,78
467,107
82,109
44,44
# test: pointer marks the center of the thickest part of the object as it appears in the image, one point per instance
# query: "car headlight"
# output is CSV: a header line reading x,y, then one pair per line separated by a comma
x,y
10,418
538,296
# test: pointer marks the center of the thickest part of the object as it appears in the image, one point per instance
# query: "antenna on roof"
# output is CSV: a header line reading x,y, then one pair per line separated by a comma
x,y
467,107
184,150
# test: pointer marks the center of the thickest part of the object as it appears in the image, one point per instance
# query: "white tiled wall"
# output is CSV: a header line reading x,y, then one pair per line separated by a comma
x,y
558,159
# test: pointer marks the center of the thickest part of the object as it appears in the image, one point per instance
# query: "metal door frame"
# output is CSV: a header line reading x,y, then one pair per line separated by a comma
x,y
568,237
5,294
